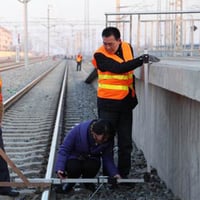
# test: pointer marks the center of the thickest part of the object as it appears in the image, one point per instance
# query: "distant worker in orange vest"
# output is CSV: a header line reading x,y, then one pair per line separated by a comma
x,y
79,59
4,172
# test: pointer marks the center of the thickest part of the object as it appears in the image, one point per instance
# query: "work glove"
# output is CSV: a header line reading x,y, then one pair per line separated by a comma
x,y
148,58
153,58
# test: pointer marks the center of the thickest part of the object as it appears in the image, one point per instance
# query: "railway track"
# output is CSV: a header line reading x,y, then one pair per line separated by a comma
x,y
28,124
12,65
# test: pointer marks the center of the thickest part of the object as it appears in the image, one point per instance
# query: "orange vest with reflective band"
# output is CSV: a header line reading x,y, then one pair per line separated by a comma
x,y
112,85
79,58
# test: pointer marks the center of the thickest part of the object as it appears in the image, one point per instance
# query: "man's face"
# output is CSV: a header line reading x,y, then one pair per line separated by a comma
x,y
111,44
100,139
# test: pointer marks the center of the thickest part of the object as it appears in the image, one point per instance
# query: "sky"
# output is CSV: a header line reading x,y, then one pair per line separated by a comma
x,y
12,15
13,9
74,9
72,12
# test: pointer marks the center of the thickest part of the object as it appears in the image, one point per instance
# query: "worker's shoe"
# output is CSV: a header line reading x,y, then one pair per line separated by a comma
x,y
10,192
68,187
65,188
90,186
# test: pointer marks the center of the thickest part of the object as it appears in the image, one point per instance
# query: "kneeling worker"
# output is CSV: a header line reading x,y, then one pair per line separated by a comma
x,y
81,152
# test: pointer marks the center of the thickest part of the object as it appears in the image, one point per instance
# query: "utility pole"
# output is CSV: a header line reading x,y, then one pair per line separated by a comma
x,y
48,26
118,11
179,19
158,36
17,58
48,31
18,48
86,27
25,32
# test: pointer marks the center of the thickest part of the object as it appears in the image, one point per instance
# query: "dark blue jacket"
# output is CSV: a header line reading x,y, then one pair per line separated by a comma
x,y
79,143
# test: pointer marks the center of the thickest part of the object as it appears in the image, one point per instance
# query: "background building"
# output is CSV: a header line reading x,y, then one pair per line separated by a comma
x,y
5,39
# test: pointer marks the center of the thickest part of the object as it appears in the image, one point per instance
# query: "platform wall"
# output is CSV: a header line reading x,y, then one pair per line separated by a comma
x,y
166,126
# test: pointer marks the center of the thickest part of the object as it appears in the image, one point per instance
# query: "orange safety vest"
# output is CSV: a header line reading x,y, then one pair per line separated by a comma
x,y
112,85
79,58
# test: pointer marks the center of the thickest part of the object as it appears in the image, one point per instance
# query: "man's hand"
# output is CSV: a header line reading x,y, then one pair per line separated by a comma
x,y
117,176
61,174
153,58
148,58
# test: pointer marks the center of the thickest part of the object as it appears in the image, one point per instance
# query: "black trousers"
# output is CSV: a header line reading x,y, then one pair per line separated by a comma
x,y
4,172
122,121
87,168
78,66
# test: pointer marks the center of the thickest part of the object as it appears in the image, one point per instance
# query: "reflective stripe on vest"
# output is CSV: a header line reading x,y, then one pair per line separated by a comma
x,y
119,77
112,85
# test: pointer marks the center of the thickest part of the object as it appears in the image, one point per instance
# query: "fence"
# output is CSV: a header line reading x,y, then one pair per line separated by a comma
x,y
164,33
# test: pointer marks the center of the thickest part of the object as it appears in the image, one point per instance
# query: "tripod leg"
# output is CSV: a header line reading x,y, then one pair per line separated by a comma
x,y
98,188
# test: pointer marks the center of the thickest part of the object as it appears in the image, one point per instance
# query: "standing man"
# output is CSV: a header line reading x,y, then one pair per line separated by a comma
x,y
4,172
79,58
116,97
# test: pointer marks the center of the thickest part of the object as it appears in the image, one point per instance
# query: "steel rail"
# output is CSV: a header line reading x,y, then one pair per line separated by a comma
x,y
49,172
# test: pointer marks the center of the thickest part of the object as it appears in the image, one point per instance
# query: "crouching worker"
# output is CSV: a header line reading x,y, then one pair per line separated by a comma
x,y
82,150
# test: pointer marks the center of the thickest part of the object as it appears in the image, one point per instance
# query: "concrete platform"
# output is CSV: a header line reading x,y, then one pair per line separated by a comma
x,y
166,123
179,75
